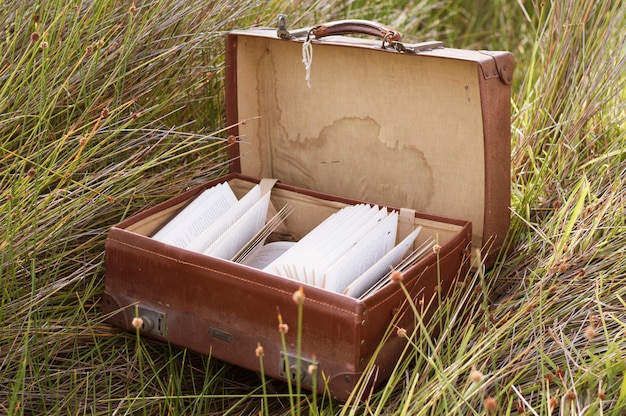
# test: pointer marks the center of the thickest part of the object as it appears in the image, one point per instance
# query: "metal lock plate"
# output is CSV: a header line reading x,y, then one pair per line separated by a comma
x,y
154,322
292,374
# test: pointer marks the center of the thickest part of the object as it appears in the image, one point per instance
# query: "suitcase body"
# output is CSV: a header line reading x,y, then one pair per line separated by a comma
x,y
428,131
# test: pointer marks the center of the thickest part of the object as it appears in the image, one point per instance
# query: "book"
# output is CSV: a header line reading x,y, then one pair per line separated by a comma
x,y
196,216
356,244
218,227
384,279
384,265
252,248
363,255
265,254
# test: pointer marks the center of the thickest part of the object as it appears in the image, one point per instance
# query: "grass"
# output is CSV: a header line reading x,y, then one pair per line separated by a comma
x,y
107,108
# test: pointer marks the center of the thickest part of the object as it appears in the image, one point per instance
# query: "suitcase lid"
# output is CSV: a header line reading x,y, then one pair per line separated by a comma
x,y
382,121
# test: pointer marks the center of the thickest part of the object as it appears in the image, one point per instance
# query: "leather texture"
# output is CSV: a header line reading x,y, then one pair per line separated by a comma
x,y
356,27
224,309
427,134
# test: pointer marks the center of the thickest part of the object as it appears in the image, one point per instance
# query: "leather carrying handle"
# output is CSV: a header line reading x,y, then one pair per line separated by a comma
x,y
356,27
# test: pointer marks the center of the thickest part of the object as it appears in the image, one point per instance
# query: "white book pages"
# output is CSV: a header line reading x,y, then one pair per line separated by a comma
x,y
285,265
345,235
360,257
305,242
241,231
406,263
379,269
327,226
307,260
168,232
345,240
211,233
197,216
337,243
259,239
264,255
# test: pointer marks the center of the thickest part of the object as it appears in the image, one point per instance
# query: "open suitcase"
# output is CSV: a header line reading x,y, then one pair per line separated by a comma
x,y
414,126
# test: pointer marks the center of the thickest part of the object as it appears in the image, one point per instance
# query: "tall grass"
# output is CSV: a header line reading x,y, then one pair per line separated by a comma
x,y
107,108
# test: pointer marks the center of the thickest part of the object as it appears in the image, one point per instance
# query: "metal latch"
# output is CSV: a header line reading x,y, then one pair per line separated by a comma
x,y
283,33
306,379
153,322
416,47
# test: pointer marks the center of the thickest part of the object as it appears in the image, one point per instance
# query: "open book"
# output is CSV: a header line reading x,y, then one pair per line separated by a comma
x,y
197,216
348,252
216,223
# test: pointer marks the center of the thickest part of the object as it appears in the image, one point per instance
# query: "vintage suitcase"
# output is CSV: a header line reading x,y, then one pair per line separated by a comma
x,y
414,126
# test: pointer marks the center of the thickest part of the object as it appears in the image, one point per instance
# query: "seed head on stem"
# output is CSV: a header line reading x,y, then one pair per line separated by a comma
x,y
397,276
298,296
590,332
553,403
259,350
491,405
137,322
475,376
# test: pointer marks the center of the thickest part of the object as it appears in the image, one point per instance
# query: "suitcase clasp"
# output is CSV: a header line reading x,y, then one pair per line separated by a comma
x,y
416,47
153,322
291,372
284,33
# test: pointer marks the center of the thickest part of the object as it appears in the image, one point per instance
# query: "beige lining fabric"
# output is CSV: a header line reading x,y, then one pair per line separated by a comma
x,y
309,212
392,129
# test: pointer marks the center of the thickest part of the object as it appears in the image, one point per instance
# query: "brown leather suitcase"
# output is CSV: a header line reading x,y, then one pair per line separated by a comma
x,y
415,126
